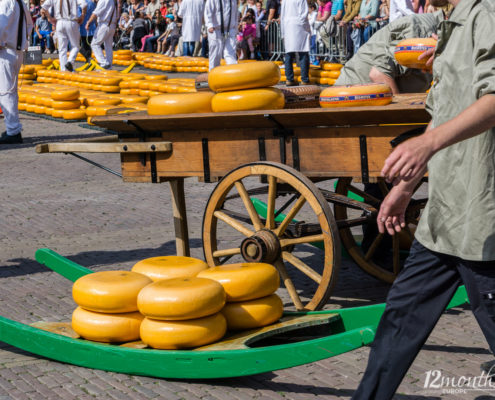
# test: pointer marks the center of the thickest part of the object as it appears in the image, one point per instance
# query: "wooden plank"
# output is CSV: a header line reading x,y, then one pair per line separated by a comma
x,y
404,109
180,217
102,147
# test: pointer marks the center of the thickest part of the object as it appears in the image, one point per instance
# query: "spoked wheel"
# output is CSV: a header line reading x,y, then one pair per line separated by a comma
x,y
378,254
286,223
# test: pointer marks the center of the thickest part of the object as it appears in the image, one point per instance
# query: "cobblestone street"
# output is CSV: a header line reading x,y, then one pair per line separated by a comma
x,y
102,223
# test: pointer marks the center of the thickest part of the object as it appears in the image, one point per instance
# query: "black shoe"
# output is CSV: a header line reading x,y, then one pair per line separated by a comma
x,y
69,67
488,367
107,66
291,83
7,139
305,83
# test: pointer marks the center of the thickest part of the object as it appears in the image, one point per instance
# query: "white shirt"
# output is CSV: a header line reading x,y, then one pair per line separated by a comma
x,y
312,21
9,23
69,8
400,8
294,25
191,12
230,15
106,10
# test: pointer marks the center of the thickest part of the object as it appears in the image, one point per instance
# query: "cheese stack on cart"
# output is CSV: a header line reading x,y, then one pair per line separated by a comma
x,y
251,299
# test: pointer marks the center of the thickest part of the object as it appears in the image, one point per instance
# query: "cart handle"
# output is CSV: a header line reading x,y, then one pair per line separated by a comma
x,y
102,146
407,135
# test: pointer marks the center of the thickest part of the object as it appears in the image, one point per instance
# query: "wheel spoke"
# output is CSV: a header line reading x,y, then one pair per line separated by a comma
x,y
373,247
368,198
290,216
226,252
289,285
301,240
304,268
272,194
253,214
396,252
233,223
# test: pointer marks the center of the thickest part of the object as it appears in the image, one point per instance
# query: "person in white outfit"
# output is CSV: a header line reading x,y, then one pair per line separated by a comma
x,y
221,19
67,28
296,32
400,8
15,29
191,12
106,15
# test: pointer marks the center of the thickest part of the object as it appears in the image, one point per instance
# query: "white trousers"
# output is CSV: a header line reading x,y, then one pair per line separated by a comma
x,y
67,31
103,35
10,64
219,45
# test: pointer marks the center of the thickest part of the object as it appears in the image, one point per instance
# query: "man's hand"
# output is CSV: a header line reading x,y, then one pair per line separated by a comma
x,y
409,159
39,35
429,54
392,211
80,20
87,26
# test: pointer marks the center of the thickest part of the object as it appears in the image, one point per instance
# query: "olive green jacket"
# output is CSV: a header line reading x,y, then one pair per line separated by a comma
x,y
351,10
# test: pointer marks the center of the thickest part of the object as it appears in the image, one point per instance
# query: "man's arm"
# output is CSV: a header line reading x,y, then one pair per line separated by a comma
x,y
271,15
409,159
377,76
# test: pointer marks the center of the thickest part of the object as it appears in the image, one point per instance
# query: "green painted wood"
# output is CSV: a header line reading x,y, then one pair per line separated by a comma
x,y
355,328
61,265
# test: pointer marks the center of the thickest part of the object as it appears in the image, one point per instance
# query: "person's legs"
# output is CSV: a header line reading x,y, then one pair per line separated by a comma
x,y
304,64
312,49
74,38
289,71
86,47
62,41
108,44
215,49
48,40
10,64
204,47
415,302
96,43
229,48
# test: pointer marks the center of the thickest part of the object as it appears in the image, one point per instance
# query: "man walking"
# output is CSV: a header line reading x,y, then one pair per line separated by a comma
x,y
106,14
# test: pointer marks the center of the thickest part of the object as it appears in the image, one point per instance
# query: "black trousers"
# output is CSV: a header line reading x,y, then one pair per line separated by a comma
x,y
415,302
85,49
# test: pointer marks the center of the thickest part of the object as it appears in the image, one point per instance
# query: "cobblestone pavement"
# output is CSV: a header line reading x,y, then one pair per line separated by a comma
x,y
96,220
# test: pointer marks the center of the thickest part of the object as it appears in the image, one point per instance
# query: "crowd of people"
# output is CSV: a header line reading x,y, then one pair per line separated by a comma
x,y
179,28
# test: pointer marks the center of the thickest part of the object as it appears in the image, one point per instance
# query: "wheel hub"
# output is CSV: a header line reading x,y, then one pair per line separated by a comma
x,y
263,246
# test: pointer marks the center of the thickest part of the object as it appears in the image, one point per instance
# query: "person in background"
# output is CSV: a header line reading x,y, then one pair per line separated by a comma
x,y
221,36
159,27
168,41
139,30
15,30
295,32
246,37
191,12
383,19
352,8
163,8
260,18
42,34
67,21
204,41
106,14
273,10
87,34
365,23
312,40
151,8
400,8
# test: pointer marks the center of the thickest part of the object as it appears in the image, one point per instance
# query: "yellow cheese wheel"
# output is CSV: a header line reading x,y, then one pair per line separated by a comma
x,y
21,106
26,77
331,66
93,111
156,77
183,334
243,76
31,107
373,94
108,328
65,105
74,114
180,103
65,94
251,99
110,81
167,267
133,99
58,113
109,89
253,313
27,69
39,109
244,281
109,291
330,74
144,85
104,101
181,298
407,51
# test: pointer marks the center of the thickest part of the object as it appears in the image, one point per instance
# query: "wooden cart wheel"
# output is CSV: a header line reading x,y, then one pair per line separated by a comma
x,y
379,255
234,228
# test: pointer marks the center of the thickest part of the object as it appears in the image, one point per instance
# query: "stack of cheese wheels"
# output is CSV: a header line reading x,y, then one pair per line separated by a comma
x,y
242,87
407,51
182,313
250,289
373,94
67,104
27,73
168,267
107,303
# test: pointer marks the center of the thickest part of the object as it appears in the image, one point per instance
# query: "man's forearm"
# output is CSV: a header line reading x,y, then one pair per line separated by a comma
x,y
377,76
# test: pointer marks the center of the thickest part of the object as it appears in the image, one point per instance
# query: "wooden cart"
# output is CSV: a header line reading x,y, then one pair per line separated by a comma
x,y
271,203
